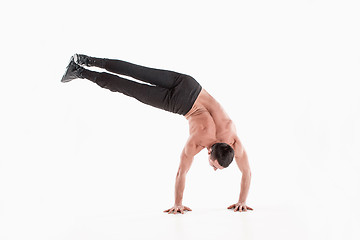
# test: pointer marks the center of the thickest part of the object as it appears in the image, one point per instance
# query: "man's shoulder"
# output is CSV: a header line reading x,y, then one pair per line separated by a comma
x,y
193,146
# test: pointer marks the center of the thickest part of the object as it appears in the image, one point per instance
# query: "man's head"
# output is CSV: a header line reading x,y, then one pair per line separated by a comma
x,y
220,155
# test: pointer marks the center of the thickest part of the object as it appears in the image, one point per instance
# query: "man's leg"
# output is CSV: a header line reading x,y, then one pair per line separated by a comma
x,y
158,77
151,95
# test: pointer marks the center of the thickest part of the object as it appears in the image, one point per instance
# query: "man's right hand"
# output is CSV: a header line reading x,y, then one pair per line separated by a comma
x,y
177,208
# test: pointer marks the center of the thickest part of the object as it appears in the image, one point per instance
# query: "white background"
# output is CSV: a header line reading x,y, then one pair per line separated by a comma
x,y
81,162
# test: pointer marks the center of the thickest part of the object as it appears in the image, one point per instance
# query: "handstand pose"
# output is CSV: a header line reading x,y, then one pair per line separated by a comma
x,y
209,125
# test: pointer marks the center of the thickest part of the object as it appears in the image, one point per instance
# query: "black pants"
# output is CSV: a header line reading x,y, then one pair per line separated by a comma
x,y
171,91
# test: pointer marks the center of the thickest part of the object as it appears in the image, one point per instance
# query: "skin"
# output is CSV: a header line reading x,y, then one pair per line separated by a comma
x,y
209,124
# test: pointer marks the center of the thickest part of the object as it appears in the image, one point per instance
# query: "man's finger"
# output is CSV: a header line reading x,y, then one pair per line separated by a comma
x,y
245,209
187,208
170,210
182,211
231,206
236,208
167,210
249,208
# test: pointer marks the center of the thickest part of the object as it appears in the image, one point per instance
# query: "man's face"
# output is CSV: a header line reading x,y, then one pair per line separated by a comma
x,y
214,163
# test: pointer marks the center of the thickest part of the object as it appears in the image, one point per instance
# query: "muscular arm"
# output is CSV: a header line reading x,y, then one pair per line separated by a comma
x,y
243,164
186,158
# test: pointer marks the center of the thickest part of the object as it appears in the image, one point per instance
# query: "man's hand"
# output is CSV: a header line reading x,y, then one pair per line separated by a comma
x,y
178,208
240,206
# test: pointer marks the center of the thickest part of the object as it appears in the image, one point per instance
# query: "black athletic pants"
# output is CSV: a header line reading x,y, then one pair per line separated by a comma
x,y
171,91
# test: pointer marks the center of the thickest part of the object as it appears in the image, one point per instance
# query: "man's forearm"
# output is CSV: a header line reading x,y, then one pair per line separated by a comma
x,y
179,188
245,185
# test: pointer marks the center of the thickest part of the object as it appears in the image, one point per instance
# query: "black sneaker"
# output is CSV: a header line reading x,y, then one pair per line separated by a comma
x,y
82,59
73,71
88,61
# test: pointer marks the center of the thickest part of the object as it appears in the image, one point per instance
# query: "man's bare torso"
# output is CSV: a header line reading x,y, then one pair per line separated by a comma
x,y
209,123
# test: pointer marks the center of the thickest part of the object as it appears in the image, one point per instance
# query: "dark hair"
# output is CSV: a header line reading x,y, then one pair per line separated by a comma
x,y
223,153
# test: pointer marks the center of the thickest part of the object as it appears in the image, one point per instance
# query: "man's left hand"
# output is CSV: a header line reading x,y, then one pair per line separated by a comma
x,y
240,206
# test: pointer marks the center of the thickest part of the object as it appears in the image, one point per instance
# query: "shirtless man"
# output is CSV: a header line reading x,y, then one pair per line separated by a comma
x,y
209,125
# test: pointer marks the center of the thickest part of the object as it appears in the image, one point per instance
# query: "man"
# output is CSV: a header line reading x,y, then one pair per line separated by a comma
x,y
209,125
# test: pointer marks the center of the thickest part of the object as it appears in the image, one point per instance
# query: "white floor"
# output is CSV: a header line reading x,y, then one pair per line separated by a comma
x,y
266,222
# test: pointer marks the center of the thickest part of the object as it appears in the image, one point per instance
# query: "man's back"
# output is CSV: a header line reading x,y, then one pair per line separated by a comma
x,y
209,123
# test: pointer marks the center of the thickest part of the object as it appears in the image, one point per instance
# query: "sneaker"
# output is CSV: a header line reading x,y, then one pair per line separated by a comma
x,y
73,71
82,59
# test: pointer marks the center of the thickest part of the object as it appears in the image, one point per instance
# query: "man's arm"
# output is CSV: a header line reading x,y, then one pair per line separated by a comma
x,y
243,164
186,158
